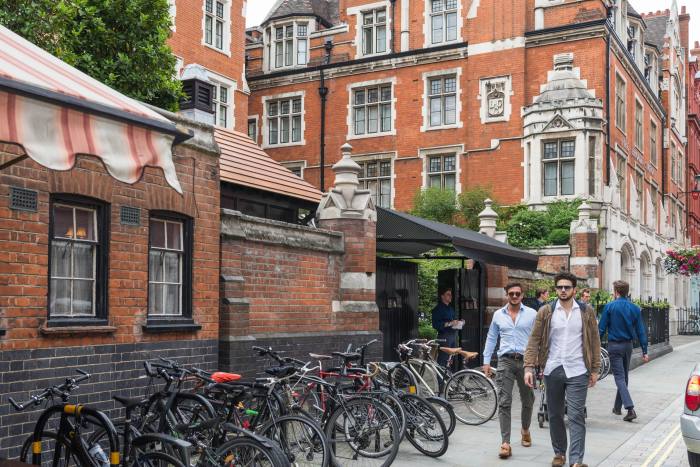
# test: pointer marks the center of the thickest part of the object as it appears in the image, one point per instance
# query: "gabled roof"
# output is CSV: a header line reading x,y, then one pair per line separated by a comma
x,y
656,30
325,10
244,163
632,12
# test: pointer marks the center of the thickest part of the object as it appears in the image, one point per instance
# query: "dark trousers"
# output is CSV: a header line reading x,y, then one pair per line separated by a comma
x,y
510,372
567,395
620,354
450,338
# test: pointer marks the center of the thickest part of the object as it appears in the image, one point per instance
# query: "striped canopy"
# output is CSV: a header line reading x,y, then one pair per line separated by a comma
x,y
56,112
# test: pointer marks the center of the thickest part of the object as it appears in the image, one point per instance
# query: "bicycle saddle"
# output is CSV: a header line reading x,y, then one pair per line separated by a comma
x,y
347,356
458,351
316,356
281,371
128,402
223,377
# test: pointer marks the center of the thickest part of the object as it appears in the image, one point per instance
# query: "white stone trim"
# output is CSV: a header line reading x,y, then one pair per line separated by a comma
x,y
426,105
507,106
172,11
427,26
232,85
473,9
226,39
363,84
294,164
496,46
284,95
424,153
357,12
583,261
357,281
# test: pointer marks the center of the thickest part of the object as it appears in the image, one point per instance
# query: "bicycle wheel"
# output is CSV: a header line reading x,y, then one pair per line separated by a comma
x,y
394,404
369,434
301,440
446,411
249,452
155,459
49,443
428,383
425,429
402,379
472,395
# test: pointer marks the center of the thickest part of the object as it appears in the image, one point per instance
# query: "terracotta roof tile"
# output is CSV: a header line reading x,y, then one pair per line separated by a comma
x,y
244,163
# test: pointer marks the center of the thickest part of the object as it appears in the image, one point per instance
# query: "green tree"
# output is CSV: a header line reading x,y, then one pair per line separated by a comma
x,y
435,204
471,203
121,43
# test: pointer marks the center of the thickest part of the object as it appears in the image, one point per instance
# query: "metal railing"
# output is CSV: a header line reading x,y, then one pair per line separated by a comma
x,y
688,321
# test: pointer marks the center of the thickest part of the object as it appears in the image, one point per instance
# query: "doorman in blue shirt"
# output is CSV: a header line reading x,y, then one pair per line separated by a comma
x,y
622,319
512,324
444,323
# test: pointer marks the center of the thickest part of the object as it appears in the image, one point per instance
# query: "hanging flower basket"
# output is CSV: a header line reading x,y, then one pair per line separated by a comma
x,y
682,262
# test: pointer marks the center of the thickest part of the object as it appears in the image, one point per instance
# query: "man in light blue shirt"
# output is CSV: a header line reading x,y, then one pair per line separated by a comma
x,y
513,324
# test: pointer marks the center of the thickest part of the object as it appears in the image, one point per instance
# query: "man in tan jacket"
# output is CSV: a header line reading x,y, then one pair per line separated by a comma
x,y
565,345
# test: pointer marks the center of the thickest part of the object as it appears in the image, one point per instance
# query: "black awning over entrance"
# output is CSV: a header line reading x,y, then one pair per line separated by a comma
x,y
408,235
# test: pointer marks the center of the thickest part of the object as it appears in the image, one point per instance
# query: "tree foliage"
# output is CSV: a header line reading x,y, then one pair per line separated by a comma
x,y
435,204
535,229
121,43
471,203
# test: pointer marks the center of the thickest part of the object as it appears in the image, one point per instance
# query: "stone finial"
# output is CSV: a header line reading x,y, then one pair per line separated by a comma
x,y
488,219
584,223
584,211
345,199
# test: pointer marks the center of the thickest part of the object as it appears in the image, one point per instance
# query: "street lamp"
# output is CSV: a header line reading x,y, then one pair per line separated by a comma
x,y
695,192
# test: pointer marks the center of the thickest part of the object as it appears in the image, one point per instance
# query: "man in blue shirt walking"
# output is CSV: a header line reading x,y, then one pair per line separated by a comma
x,y
622,319
513,324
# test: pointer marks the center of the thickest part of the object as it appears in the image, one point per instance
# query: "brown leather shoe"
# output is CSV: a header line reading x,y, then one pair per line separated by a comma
x,y
579,465
526,438
558,461
505,451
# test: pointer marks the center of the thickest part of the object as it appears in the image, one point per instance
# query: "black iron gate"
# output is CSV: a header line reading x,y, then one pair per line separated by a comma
x,y
397,299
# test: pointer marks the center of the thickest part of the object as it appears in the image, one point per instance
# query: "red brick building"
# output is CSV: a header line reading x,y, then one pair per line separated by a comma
x,y
693,150
541,101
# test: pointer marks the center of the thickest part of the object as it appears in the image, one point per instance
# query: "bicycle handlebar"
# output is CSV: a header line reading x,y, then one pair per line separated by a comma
x,y
63,391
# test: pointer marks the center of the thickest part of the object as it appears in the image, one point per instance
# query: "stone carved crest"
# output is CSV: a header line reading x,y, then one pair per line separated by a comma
x,y
496,98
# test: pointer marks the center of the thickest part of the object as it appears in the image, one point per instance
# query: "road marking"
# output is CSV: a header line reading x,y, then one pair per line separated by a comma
x,y
668,451
661,445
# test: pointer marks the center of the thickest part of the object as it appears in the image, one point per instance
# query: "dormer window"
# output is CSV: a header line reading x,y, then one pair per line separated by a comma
x,y
374,40
288,44
632,40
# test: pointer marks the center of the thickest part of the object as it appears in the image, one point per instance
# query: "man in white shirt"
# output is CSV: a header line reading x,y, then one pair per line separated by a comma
x,y
565,342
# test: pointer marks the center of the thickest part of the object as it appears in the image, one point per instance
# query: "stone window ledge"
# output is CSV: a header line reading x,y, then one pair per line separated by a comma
x,y
66,330
174,325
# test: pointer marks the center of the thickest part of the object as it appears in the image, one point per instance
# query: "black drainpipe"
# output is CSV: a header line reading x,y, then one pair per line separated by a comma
x,y
323,92
607,97
393,29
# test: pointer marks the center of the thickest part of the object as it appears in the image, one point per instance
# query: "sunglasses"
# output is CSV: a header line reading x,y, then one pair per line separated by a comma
x,y
514,294
564,287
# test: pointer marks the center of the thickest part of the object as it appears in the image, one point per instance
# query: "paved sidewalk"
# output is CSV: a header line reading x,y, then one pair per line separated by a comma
x,y
650,441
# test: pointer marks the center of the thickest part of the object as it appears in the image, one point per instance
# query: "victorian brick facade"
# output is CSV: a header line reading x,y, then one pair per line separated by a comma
x,y
693,151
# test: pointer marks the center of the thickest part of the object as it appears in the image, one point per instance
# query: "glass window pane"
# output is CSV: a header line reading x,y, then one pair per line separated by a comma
x,y
208,30
60,259
63,222
296,106
279,54
155,266
450,4
451,33
274,131
372,95
82,297
386,93
435,181
360,121
289,31
567,178
360,97
219,9
289,53
450,182
296,129
568,148
302,30
386,117
157,233
279,33
435,164
381,39
172,300
272,108
436,6
284,130
223,115
210,6
219,35
172,267
301,52
284,110
436,28
83,260
59,301
435,86
435,111
385,194
155,299
372,119
450,110
367,41
174,235
223,94
450,84
385,169
371,169
368,18
372,187
550,179
550,150
449,164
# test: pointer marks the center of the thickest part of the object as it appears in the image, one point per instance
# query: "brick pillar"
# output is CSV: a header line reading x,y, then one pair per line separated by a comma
x,y
496,276
584,246
348,209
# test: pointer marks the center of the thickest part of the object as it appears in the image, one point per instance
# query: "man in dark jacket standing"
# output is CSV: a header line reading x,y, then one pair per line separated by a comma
x,y
621,319
445,324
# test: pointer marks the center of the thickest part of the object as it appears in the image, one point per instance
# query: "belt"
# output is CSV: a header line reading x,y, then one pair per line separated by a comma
x,y
621,342
513,355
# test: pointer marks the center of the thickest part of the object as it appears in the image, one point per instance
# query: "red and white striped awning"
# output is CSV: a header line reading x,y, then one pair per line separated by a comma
x,y
56,112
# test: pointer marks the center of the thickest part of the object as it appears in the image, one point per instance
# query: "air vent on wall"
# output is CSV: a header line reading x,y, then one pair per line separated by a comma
x,y
130,216
22,199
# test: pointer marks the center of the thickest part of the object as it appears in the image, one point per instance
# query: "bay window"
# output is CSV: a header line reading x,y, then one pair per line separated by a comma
x,y
289,44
